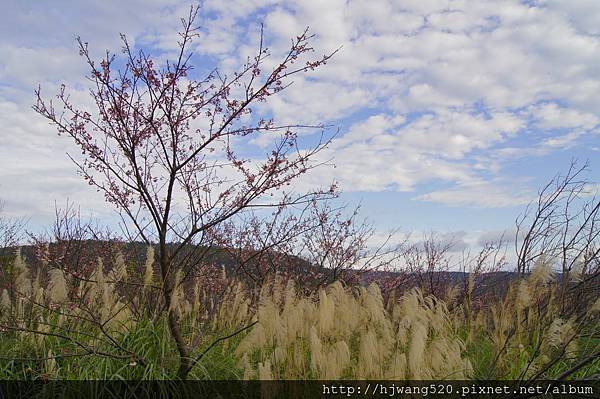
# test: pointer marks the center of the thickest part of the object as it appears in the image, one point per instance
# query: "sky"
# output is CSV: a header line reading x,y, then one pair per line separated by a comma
x,y
451,114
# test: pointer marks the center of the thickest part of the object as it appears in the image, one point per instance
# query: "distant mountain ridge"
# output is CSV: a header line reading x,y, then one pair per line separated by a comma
x,y
86,252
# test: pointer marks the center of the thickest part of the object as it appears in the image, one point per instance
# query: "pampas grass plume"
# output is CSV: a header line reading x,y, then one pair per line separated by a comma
x,y
149,267
57,292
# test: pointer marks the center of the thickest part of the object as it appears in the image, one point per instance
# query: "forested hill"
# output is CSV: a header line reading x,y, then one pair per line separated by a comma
x,y
82,256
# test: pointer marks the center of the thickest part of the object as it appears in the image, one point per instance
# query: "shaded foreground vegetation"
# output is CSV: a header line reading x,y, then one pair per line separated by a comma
x,y
98,328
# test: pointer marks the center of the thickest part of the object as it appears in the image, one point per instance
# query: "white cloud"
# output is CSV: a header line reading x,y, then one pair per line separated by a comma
x,y
504,56
583,14
485,194
552,116
506,236
437,90
388,152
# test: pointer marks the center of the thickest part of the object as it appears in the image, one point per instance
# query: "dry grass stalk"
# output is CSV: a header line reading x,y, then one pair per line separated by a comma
x,y
351,334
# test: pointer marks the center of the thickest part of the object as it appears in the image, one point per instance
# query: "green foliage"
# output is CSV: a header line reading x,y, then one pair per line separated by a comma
x,y
23,359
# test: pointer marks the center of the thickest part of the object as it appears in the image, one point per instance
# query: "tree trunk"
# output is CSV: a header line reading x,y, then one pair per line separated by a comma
x,y
185,361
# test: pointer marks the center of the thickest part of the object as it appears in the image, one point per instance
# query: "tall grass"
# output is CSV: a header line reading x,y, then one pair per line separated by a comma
x,y
57,326
351,334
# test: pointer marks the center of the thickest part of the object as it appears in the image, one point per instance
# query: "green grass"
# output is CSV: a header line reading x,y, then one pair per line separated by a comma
x,y
151,341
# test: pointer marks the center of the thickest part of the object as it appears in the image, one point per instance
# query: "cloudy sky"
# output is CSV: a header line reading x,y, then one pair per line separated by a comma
x,y
451,113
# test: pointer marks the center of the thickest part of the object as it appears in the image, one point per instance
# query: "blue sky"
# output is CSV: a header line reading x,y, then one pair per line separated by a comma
x,y
451,113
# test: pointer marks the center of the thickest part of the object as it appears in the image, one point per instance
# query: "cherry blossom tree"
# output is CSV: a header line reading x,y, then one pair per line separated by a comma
x,y
166,148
